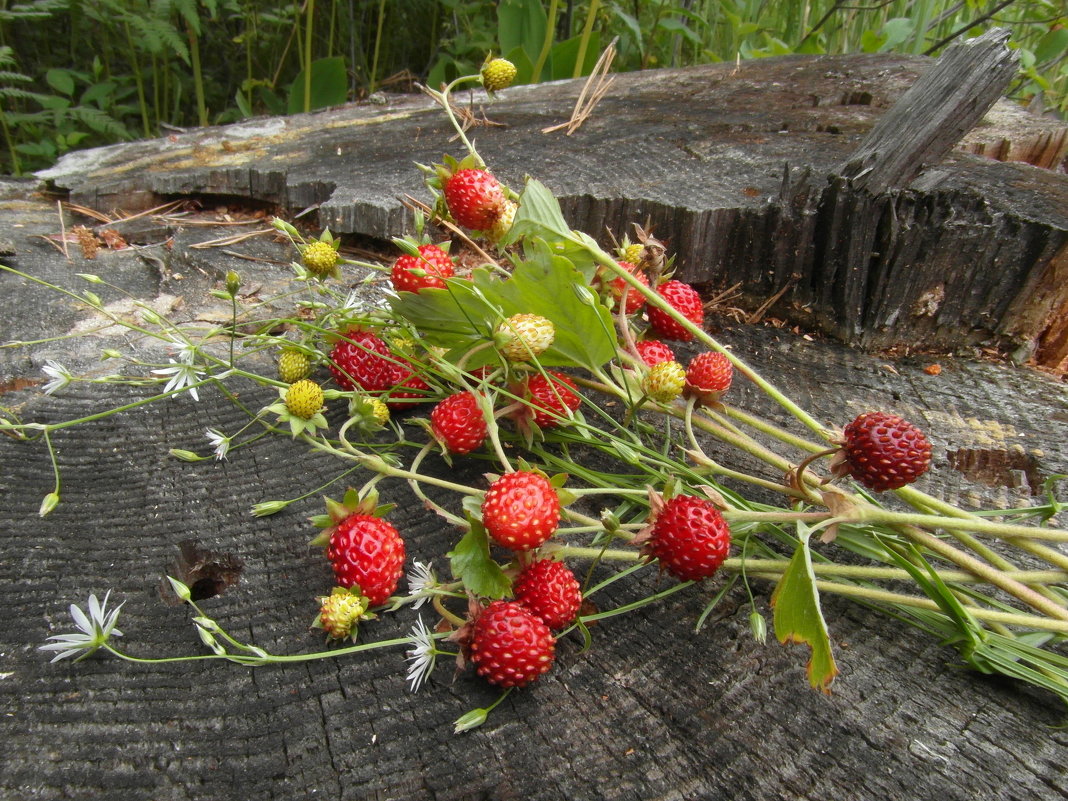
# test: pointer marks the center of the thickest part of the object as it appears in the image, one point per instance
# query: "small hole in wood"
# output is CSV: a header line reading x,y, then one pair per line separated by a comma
x,y
206,573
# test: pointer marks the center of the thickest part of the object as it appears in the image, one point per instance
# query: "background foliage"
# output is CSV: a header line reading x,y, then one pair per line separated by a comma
x,y
81,73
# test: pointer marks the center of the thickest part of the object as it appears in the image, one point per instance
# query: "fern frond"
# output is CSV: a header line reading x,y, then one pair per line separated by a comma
x,y
99,121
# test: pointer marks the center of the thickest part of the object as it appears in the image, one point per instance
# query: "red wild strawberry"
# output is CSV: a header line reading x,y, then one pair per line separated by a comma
x,y
690,538
550,590
708,376
510,646
408,386
458,423
684,299
362,361
635,299
653,351
884,452
474,197
521,510
551,399
367,552
433,261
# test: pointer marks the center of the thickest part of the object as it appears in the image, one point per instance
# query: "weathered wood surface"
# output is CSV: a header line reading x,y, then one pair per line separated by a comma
x,y
731,164
652,711
928,121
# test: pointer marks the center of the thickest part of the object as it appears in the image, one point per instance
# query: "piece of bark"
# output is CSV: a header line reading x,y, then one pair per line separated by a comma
x,y
934,114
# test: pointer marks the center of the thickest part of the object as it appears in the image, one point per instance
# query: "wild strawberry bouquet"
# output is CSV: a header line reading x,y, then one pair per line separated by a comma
x,y
512,342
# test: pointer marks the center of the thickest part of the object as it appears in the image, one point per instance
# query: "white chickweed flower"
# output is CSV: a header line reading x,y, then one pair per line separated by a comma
x,y
421,582
219,441
185,350
96,629
58,374
182,375
421,655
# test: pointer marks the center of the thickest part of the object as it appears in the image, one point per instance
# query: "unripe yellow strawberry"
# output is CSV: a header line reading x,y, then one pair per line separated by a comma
x,y
341,611
503,224
633,252
320,258
293,365
522,337
304,399
498,74
379,411
664,382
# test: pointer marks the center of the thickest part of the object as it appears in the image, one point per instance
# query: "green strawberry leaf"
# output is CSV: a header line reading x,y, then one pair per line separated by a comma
x,y
471,563
551,286
798,618
538,215
464,314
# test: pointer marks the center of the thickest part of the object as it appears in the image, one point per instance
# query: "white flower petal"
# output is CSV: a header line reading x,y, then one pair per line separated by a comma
x,y
80,620
58,374
421,655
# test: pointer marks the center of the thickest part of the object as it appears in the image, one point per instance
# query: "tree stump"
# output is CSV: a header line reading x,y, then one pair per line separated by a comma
x,y
734,166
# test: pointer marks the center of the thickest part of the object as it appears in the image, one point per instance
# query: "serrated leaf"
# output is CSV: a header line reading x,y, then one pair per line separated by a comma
x,y
538,215
551,286
472,564
465,313
798,617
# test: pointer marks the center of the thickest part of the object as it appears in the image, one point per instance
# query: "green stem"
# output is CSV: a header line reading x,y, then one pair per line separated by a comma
x,y
378,45
273,658
379,465
584,42
875,514
418,491
443,97
309,29
989,615
588,552
546,42
138,79
872,573
922,500
773,431
198,76
716,469
46,427
986,572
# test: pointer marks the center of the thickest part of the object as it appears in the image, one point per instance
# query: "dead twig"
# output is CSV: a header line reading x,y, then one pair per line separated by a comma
x,y
758,315
62,229
233,239
593,90
413,204
257,259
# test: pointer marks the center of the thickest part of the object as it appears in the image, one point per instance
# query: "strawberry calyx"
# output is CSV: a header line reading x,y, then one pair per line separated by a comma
x,y
352,503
